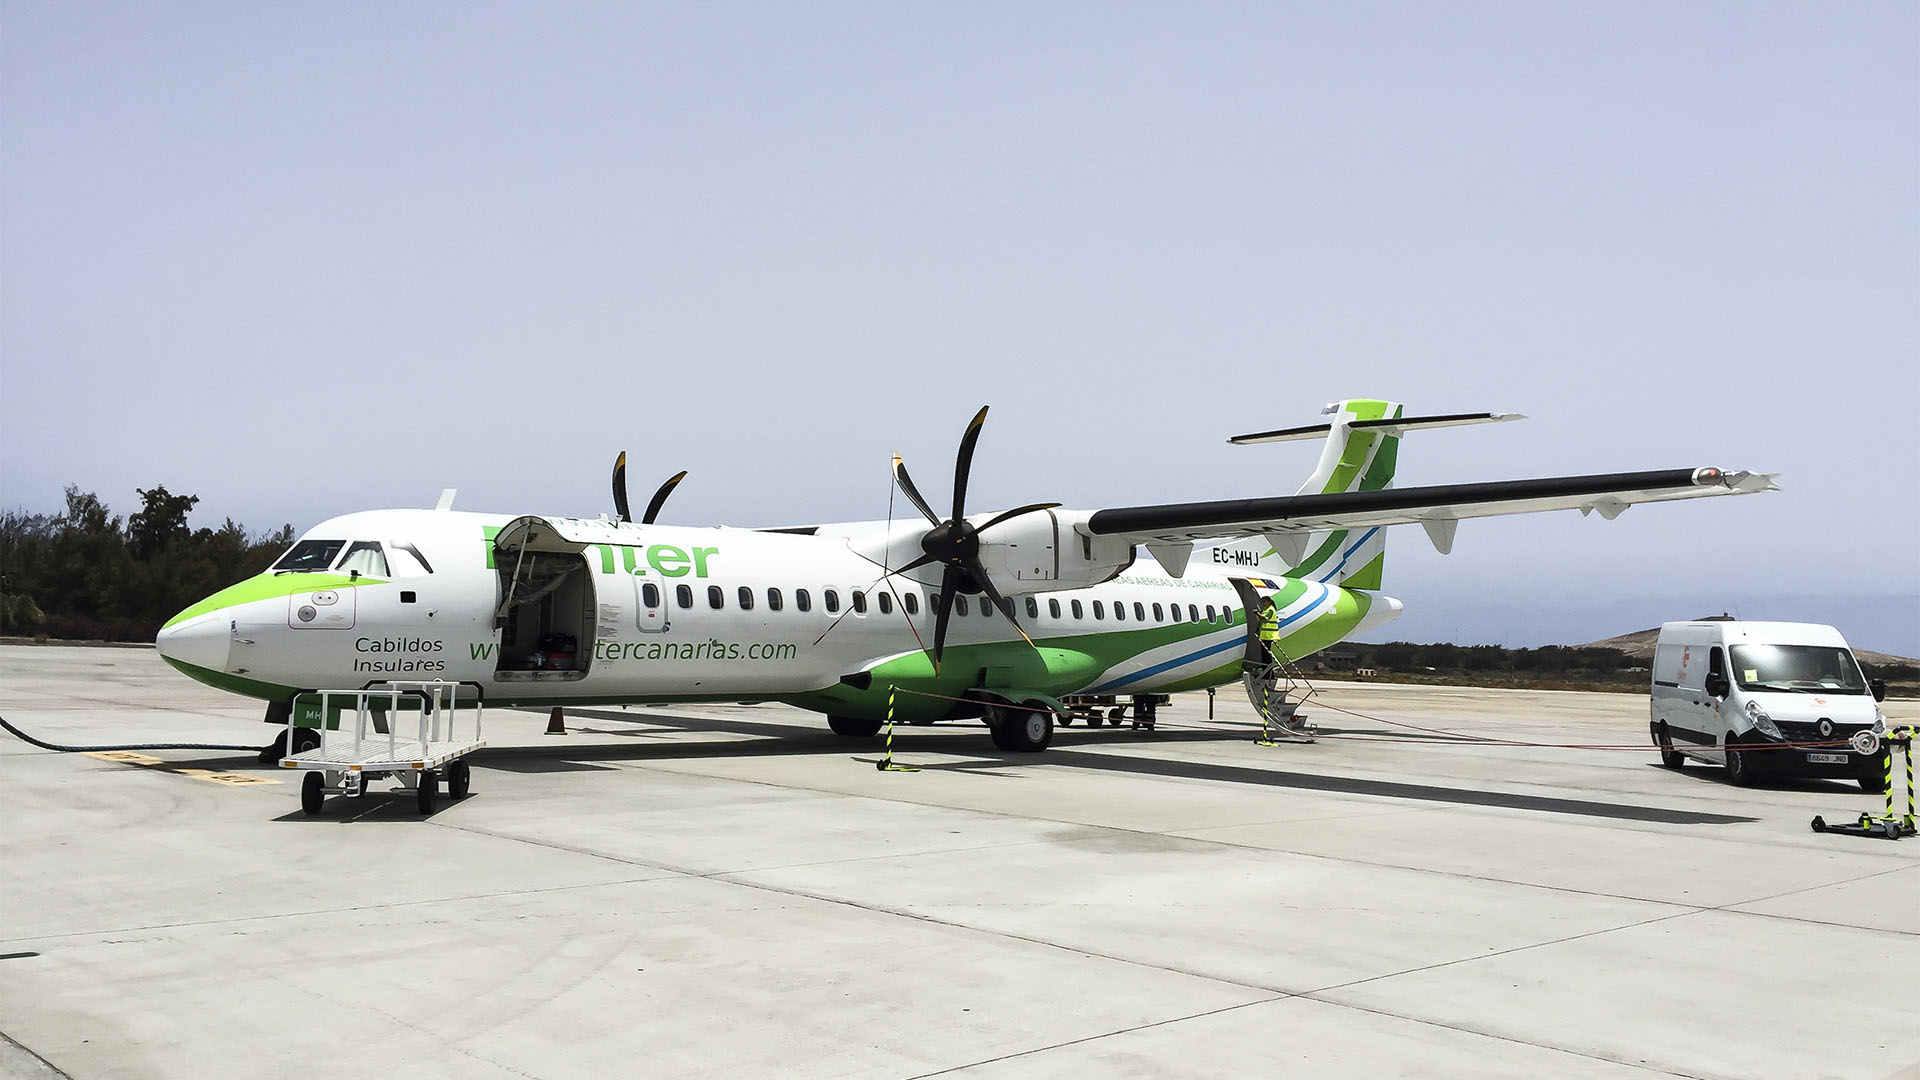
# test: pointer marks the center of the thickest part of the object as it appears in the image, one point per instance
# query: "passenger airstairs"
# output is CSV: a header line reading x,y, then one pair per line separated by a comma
x,y
1278,688
343,760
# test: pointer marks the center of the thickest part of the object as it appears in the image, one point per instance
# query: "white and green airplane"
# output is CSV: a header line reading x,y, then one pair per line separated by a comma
x,y
996,616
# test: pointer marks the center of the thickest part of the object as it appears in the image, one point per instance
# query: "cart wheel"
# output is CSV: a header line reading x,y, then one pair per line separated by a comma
x,y
429,788
1891,828
312,793
1819,824
363,781
459,780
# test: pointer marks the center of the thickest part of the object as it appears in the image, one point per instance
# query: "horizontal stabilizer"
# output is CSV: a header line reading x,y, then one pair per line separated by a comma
x,y
1390,426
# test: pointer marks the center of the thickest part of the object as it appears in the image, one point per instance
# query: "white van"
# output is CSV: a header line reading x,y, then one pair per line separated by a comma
x,y
1767,698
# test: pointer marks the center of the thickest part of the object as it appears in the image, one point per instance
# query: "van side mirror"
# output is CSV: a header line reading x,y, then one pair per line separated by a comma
x,y
1717,685
1879,689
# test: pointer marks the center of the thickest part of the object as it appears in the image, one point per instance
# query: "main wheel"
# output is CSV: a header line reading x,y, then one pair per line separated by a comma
x,y
1669,757
429,790
459,780
305,739
1739,765
999,725
312,793
1027,729
271,753
853,726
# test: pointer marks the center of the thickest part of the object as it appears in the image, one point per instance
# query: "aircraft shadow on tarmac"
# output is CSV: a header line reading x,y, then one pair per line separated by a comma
x,y
1072,748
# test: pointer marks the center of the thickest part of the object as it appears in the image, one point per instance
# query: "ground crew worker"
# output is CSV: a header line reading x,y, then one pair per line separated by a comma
x,y
1270,630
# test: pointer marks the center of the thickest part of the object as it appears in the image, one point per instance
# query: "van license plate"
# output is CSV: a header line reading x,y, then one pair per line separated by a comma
x,y
1827,759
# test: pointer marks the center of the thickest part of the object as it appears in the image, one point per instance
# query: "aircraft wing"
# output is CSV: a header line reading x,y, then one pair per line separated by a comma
x,y
1291,518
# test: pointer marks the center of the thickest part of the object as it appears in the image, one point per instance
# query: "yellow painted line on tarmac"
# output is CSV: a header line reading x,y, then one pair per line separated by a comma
x,y
126,757
230,779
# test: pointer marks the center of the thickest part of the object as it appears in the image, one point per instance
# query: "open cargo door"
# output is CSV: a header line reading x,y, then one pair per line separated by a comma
x,y
547,607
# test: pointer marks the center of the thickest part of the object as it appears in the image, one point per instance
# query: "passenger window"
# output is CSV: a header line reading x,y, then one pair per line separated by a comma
x,y
1119,611
1175,608
364,558
1158,614
886,604
1033,608
986,608
1210,613
746,598
960,604
1193,612
684,594
1053,608
859,602
912,601
832,599
803,599
1099,611
1227,614
774,600
1139,613
1078,611
716,598
650,595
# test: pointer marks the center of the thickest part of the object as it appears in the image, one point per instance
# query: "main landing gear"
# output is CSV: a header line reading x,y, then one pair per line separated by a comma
x,y
1024,728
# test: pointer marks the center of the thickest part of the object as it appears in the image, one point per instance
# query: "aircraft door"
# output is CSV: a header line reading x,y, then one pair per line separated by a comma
x,y
650,602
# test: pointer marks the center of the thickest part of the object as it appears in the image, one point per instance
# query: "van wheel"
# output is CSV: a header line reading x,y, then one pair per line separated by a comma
x,y
1669,757
1739,765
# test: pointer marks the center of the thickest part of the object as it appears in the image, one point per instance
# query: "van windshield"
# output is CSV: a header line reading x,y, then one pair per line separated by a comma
x,y
1811,669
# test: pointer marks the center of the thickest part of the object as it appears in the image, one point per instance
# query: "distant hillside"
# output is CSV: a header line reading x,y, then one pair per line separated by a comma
x,y
1639,645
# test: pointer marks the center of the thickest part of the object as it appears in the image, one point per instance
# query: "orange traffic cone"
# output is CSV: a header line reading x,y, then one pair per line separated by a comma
x,y
556,722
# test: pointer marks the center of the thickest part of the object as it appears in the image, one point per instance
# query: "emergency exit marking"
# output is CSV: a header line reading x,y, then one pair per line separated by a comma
x,y
126,757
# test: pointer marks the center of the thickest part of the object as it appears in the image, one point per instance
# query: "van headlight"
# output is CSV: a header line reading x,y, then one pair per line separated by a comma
x,y
1761,722
1879,722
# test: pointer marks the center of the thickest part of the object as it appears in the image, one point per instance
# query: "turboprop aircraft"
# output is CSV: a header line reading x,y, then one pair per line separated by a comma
x,y
995,616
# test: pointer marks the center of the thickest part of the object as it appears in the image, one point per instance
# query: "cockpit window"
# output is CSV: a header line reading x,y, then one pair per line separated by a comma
x,y
413,551
308,555
366,558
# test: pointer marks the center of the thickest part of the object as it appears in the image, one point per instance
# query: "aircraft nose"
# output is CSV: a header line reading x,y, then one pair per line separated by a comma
x,y
201,642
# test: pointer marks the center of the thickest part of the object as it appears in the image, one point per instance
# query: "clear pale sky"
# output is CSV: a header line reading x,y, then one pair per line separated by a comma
x,y
304,259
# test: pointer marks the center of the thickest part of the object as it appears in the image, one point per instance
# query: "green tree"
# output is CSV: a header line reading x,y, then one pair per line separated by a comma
x,y
161,522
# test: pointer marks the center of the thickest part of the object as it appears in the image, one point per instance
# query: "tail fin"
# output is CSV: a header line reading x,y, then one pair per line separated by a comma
x,y
1354,458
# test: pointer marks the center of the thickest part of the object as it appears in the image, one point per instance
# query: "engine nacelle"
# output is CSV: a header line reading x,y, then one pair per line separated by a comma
x,y
1048,550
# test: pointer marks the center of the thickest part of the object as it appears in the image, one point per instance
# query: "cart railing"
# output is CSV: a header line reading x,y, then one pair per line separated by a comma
x,y
436,704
